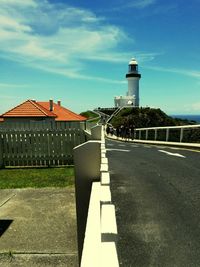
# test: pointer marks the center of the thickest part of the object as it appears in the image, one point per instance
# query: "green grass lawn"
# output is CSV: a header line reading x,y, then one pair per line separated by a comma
x,y
36,177
89,114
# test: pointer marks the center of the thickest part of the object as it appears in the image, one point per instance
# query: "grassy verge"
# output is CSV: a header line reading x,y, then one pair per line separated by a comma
x,y
89,114
36,178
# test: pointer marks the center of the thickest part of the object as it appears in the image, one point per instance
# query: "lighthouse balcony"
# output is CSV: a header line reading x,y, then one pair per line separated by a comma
x,y
133,75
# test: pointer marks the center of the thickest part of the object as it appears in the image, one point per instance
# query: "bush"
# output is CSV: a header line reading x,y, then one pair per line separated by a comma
x,y
146,117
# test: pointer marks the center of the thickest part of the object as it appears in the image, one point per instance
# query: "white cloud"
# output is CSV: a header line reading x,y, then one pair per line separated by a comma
x,y
19,2
10,24
34,38
60,45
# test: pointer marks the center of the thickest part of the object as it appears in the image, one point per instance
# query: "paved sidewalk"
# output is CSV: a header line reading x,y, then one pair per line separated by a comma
x,y
38,228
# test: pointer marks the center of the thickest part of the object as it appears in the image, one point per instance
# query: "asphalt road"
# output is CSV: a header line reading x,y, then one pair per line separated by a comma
x,y
156,191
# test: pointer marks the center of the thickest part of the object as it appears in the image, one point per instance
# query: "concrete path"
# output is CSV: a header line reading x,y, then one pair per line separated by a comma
x,y
38,228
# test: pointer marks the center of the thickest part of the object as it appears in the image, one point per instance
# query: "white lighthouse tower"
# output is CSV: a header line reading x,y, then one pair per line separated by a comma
x,y
133,78
132,96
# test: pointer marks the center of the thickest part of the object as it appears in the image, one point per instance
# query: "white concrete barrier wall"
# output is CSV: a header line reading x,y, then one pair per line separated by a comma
x,y
99,248
91,256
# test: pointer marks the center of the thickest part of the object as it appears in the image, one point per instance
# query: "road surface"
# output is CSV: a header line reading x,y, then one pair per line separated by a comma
x,y
156,191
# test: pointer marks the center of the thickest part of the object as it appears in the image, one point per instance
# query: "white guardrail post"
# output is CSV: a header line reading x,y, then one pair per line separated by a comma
x,y
97,246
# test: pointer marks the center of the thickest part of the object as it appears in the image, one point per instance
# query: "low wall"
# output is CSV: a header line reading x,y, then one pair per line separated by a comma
x,y
97,237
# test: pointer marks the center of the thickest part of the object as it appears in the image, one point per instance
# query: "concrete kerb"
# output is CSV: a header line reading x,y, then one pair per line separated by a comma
x,y
104,167
105,178
108,216
105,194
104,160
108,223
103,154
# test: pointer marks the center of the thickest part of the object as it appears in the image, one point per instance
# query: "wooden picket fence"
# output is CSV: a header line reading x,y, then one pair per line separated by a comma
x,y
53,147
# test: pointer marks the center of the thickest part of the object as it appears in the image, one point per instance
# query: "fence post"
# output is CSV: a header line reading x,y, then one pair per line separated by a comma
x,y
139,134
156,133
146,134
167,134
87,160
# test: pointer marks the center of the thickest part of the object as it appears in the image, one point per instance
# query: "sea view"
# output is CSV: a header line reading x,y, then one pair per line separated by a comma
x,y
188,117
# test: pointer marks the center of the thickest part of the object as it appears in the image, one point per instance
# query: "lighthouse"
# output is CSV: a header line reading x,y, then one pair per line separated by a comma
x,y
132,96
133,78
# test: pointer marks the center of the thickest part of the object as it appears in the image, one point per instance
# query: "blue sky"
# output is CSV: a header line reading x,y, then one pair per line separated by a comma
x,y
78,52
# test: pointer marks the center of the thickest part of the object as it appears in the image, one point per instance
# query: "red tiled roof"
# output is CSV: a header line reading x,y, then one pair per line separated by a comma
x,y
28,108
62,113
34,109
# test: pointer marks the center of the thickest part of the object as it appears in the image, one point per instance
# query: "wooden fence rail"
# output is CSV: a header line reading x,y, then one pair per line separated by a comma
x,y
41,125
39,147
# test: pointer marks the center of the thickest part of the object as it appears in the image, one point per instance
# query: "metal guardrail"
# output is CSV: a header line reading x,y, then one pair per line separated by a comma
x,y
168,133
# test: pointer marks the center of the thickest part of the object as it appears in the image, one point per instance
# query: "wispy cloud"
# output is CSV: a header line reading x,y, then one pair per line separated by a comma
x,y
60,45
133,4
191,73
140,4
74,74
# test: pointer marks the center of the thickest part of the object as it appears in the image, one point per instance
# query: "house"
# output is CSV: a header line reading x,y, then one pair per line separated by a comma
x,y
32,110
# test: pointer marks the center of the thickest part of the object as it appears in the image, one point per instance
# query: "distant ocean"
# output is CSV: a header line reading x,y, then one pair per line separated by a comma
x,y
188,117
